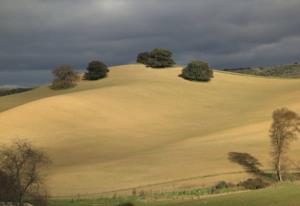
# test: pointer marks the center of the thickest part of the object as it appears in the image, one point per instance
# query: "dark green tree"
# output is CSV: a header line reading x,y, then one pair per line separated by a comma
x,y
197,71
157,58
96,70
143,58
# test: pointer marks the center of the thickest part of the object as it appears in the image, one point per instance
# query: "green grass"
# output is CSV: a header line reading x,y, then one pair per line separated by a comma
x,y
144,197
89,202
284,195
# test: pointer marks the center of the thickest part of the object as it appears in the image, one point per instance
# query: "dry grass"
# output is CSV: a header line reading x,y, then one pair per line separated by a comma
x,y
142,126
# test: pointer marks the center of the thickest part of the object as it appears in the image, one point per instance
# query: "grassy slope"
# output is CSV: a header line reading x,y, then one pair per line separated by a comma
x,y
141,126
285,195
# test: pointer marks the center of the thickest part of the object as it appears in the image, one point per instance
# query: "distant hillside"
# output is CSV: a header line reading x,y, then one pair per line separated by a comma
x,y
286,71
4,91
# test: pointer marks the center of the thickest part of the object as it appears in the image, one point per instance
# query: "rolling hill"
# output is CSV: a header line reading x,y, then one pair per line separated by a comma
x,y
143,126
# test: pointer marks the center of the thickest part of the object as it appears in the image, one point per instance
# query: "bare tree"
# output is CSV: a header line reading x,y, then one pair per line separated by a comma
x,y
65,77
284,130
23,163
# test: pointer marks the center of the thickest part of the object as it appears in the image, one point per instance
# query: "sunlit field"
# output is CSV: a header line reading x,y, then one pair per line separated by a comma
x,y
148,128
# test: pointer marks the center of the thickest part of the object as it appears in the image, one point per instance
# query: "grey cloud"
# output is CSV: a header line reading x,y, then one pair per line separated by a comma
x,y
41,34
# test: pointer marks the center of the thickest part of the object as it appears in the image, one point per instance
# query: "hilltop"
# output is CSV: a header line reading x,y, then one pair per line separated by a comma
x,y
143,126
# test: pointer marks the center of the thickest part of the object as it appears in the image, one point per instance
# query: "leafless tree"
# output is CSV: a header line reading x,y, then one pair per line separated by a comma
x,y
23,163
284,130
65,77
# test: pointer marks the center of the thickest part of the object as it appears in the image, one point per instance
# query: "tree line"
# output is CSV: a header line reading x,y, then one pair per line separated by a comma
x,y
65,76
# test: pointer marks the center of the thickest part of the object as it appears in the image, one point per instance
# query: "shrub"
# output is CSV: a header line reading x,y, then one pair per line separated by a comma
x,y
96,70
134,192
126,204
143,58
253,184
197,71
157,58
223,185
39,199
65,77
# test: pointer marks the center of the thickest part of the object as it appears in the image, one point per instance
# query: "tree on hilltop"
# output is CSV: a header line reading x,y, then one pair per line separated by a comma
x,y
197,71
65,77
157,58
96,70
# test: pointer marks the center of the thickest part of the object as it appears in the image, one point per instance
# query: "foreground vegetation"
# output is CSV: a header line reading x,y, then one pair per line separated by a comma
x,y
20,174
287,194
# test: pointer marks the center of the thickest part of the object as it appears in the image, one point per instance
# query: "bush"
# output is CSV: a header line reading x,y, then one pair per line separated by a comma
x,y
65,77
157,58
197,71
96,70
253,184
39,199
223,185
126,204
143,58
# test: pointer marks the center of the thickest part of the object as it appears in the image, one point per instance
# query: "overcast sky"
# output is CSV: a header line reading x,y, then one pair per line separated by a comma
x,y
42,34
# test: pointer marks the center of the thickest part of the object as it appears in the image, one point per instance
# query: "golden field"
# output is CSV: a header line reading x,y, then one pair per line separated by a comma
x,y
142,126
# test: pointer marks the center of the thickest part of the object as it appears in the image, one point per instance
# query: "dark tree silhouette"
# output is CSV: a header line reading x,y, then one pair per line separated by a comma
x,y
143,58
96,70
197,71
247,161
157,58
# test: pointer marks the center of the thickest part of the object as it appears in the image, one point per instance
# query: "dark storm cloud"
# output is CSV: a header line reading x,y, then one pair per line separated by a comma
x,y
41,34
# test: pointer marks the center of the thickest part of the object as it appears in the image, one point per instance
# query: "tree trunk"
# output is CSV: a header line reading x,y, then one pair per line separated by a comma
x,y
278,169
20,200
